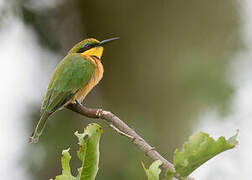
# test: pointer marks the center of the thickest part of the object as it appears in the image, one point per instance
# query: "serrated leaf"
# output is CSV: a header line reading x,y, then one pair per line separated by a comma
x,y
153,171
89,151
199,149
66,170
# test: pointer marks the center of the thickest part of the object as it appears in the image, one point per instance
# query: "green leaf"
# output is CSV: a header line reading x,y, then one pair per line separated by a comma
x,y
199,149
169,174
66,170
89,151
153,171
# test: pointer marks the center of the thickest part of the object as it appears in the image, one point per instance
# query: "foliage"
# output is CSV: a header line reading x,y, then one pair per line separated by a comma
x,y
66,170
88,153
153,171
199,149
170,63
196,151
169,175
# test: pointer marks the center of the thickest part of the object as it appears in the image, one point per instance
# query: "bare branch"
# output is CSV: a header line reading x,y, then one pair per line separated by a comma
x,y
119,126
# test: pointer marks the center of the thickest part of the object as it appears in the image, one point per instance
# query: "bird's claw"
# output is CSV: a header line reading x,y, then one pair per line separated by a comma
x,y
77,102
99,113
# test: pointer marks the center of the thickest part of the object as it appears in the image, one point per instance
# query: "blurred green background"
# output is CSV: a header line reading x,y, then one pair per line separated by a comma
x,y
169,66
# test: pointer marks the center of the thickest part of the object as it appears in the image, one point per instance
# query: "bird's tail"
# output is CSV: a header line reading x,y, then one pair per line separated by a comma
x,y
39,128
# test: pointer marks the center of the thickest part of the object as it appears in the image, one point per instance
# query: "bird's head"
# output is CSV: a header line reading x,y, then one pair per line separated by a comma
x,y
90,47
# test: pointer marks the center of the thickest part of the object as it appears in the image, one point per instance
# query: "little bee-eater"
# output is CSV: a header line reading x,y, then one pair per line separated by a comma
x,y
72,80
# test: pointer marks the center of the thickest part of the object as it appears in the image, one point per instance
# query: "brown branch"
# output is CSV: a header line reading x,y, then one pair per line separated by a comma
x,y
118,125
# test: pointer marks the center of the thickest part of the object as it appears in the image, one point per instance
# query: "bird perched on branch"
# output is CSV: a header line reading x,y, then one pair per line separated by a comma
x,y
72,80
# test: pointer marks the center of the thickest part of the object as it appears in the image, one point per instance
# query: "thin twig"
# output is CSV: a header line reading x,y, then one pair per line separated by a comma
x,y
124,129
120,132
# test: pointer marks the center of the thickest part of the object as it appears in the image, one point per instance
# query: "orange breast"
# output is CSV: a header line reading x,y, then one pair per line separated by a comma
x,y
98,74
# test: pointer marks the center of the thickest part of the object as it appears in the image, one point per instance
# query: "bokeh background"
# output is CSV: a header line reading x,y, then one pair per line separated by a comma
x,y
179,67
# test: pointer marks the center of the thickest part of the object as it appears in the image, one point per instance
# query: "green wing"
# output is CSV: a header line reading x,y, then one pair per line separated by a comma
x,y
72,73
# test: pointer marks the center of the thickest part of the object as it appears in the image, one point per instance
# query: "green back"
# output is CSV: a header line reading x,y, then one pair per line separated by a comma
x,y
72,73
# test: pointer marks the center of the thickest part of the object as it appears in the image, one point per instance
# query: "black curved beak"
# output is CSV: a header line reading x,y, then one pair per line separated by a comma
x,y
107,41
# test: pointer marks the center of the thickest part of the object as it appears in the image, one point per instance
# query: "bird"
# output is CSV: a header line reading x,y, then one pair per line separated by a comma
x,y
73,78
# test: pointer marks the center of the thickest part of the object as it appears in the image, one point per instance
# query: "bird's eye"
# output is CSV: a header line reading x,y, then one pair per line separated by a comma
x,y
84,48
87,46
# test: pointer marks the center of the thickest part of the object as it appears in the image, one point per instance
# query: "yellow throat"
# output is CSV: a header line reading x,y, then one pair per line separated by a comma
x,y
96,51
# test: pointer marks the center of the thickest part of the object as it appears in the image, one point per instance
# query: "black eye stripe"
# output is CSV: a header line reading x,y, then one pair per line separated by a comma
x,y
84,48
87,46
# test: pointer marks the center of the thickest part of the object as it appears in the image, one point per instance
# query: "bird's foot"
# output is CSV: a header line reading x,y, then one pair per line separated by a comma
x,y
77,102
99,113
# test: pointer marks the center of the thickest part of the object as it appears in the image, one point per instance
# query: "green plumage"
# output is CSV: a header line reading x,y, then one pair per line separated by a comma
x,y
72,73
